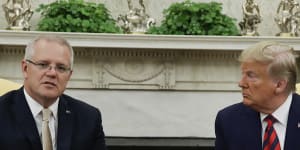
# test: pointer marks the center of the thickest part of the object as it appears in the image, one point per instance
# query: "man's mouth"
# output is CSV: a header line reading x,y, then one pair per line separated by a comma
x,y
245,95
49,83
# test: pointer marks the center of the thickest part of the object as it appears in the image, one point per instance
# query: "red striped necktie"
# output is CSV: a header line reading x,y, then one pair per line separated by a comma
x,y
271,141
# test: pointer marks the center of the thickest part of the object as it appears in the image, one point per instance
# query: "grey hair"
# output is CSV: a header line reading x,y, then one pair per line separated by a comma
x,y
280,58
29,50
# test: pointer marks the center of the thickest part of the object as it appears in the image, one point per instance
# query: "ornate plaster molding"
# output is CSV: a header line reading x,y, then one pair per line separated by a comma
x,y
111,61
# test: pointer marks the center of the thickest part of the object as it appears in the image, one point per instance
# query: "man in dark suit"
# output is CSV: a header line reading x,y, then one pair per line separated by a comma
x,y
71,124
269,116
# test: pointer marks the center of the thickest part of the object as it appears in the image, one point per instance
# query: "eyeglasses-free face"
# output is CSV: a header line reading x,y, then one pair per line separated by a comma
x,y
43,66
258,86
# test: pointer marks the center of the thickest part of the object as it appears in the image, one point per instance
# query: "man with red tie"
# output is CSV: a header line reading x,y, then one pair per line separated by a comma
x,y
268,118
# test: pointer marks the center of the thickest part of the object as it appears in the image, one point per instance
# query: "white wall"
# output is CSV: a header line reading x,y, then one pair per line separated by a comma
x,y
158,113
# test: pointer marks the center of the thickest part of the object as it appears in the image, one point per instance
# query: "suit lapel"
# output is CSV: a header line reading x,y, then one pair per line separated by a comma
x,y
25,120
65,126
293,125
253,127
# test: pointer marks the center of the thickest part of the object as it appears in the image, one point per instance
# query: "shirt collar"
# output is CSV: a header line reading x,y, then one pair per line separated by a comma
x,y
36,108
282,112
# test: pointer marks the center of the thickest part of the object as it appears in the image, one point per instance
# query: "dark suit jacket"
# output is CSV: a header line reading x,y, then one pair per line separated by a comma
x,y
79,125
238,127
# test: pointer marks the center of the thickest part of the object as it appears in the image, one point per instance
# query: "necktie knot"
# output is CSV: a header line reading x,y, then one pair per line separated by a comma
x,y
270,120
46,114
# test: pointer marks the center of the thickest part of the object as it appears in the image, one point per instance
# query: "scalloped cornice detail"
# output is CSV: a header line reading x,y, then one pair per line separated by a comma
x,y
154,53
11,50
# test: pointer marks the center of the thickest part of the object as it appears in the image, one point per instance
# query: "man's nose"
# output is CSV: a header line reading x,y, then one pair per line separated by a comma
x,y
52,69
242,83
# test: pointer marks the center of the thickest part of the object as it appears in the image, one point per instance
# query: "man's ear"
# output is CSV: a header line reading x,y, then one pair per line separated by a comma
x,y
281,86
24,68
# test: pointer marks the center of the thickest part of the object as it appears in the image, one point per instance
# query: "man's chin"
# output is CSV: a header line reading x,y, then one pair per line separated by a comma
x,y
51,95
247,102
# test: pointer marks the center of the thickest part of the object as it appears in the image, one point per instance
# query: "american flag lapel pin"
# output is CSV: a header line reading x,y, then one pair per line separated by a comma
x,y
69,112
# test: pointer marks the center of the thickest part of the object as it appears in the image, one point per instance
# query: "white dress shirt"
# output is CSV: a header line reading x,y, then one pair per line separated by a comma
x,y
281,114
36,110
